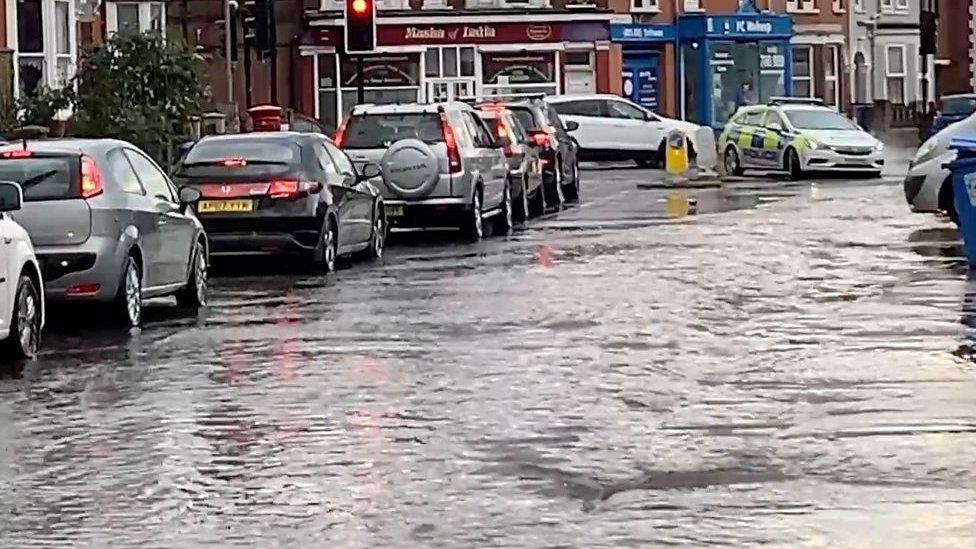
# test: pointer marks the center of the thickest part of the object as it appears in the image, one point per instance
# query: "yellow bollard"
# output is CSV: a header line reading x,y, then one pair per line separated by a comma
x,y
676,153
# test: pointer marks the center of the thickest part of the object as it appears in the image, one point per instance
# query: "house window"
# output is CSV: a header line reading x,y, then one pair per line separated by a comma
x,y
859,6
895,74
831,60
135,16
45,44
894,5
838,6
644,5
800,6
693,5
803,71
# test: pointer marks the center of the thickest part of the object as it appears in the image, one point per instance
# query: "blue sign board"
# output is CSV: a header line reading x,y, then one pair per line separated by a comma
x,y
743,26
641,33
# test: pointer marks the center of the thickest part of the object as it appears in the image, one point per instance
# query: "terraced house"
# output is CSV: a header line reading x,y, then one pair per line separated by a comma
x,y
884,52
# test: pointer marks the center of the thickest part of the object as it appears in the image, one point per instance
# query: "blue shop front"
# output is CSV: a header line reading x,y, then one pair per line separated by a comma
x,y
647,75
728,61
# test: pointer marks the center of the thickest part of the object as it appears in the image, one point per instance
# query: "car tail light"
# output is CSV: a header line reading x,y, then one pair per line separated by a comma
x,y
340,135
541,138
234,163
91,178
453,154
19,153
505,136
291,189
84,289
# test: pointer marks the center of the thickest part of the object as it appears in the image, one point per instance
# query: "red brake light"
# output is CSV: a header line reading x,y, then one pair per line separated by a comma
x,y
91,178
340,134
19,153
453,154
234,163
291,189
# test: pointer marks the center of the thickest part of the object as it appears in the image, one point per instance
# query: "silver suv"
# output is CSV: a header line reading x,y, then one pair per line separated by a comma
x,y
441,165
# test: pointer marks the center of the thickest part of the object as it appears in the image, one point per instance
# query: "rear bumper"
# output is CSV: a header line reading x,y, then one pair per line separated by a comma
x,y
97,261
262,236
429,213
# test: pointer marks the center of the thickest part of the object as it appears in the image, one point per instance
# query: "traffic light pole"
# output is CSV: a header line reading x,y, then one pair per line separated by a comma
x,y
227,51
360,84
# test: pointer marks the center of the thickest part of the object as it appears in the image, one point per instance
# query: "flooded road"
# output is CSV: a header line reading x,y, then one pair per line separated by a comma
x,y
790,365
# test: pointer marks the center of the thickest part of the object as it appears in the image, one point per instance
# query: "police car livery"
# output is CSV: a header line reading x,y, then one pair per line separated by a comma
x,y
796,136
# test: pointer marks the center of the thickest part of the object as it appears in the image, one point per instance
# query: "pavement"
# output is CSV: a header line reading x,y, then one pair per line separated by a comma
x,y
787,365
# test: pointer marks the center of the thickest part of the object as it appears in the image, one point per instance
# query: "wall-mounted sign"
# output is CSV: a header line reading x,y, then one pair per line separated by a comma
x,y
487,33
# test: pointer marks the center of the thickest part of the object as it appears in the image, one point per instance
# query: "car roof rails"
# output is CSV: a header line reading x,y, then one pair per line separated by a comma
x,y
796,101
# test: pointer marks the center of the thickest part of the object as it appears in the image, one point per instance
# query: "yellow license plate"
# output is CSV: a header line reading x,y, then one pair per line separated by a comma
x,y
225,206
394,211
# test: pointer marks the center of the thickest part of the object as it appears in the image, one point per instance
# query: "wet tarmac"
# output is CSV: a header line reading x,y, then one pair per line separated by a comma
x,y
770,364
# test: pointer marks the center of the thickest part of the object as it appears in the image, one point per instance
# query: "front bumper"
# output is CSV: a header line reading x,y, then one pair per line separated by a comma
x,y
924,182
828,159
428,213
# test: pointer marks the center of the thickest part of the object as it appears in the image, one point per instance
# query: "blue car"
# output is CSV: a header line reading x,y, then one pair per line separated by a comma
x,y
952,109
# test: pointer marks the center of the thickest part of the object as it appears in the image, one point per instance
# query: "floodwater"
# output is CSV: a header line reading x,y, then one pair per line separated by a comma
x,y
780,365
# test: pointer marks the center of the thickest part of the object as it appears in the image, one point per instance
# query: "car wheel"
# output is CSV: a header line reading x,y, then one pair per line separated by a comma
x,y
25,326
555,198
328,247
194,294
473,224
128,299
793,168
537,202
572,191
521,212
732,164
377,240
503,224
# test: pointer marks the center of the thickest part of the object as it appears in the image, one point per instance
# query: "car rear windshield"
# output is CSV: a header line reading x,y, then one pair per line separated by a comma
x,y
378,131
525,117
955,106
819,120
44,178
246,156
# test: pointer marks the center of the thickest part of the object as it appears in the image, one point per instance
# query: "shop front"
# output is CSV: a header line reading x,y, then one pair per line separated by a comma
x,y
444,62
728,61
647,74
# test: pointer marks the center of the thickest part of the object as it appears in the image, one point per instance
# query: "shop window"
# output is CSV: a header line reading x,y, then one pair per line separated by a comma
x,y
803,71
45,44
645,5
691,90
135,16
514,73
801,6
831,89
895,74
391,78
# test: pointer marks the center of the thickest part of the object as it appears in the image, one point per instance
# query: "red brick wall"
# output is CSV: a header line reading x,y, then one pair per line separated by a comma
x,y
954,46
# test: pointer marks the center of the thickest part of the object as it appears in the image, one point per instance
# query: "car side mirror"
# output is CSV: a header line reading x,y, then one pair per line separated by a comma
x,y
571,125
369,171
189,195
11,196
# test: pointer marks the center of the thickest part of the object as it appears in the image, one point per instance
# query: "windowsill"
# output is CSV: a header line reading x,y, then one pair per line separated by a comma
x,y
653,9
805,11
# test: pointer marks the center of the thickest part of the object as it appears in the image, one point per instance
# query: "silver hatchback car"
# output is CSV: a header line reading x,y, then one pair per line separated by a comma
x,y
441,165
107,224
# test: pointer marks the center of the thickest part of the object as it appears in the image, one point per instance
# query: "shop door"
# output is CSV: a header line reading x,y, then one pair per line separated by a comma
x,y
450,89
640,79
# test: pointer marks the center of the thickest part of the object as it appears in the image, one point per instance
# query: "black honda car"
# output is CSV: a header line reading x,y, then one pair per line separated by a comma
x,y
284,193
558,150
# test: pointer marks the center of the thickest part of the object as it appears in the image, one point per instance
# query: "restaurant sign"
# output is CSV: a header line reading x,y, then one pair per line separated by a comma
x,y
488,33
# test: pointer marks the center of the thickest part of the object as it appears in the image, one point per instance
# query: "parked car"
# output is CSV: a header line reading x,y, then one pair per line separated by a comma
x,y
522,152
441,165
558,150
795,138
21,285
928,185
953,108
613,128
107,224
282,192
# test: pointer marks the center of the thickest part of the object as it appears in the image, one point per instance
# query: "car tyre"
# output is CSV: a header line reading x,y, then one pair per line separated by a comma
x,y
521,212
473,224
537,202
327,250
662,153
733,165
128,299
571,192
503,223
194,294
793,168
554,200
377,238
25,327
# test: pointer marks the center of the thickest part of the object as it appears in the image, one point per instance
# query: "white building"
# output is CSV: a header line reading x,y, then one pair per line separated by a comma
x,y
884,59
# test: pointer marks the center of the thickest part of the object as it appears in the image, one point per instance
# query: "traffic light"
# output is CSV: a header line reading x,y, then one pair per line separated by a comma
x,y
259,25
360,26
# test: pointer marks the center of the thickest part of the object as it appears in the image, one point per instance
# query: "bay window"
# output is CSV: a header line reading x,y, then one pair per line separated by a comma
x,y
135,17
44,44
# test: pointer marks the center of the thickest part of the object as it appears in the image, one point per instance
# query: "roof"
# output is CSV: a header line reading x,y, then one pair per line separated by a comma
x,y
958,96
282,135
66,144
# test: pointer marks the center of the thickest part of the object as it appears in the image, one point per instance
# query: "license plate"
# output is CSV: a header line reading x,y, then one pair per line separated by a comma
x,y
225,206
394,211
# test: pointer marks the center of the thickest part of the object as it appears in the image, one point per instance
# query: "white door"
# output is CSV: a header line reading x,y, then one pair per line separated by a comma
x,y
579,81
630,127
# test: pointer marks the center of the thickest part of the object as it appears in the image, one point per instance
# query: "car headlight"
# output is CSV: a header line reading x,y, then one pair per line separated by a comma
x,y
929,150
879,146
814,144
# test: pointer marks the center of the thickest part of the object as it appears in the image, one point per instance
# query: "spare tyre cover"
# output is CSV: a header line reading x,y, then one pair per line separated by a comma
x,y
410,168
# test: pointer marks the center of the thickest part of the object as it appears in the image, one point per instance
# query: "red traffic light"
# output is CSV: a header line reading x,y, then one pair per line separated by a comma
x,y
360,6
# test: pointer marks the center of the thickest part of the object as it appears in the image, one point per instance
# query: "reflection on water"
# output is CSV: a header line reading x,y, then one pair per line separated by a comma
x,y
785,367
